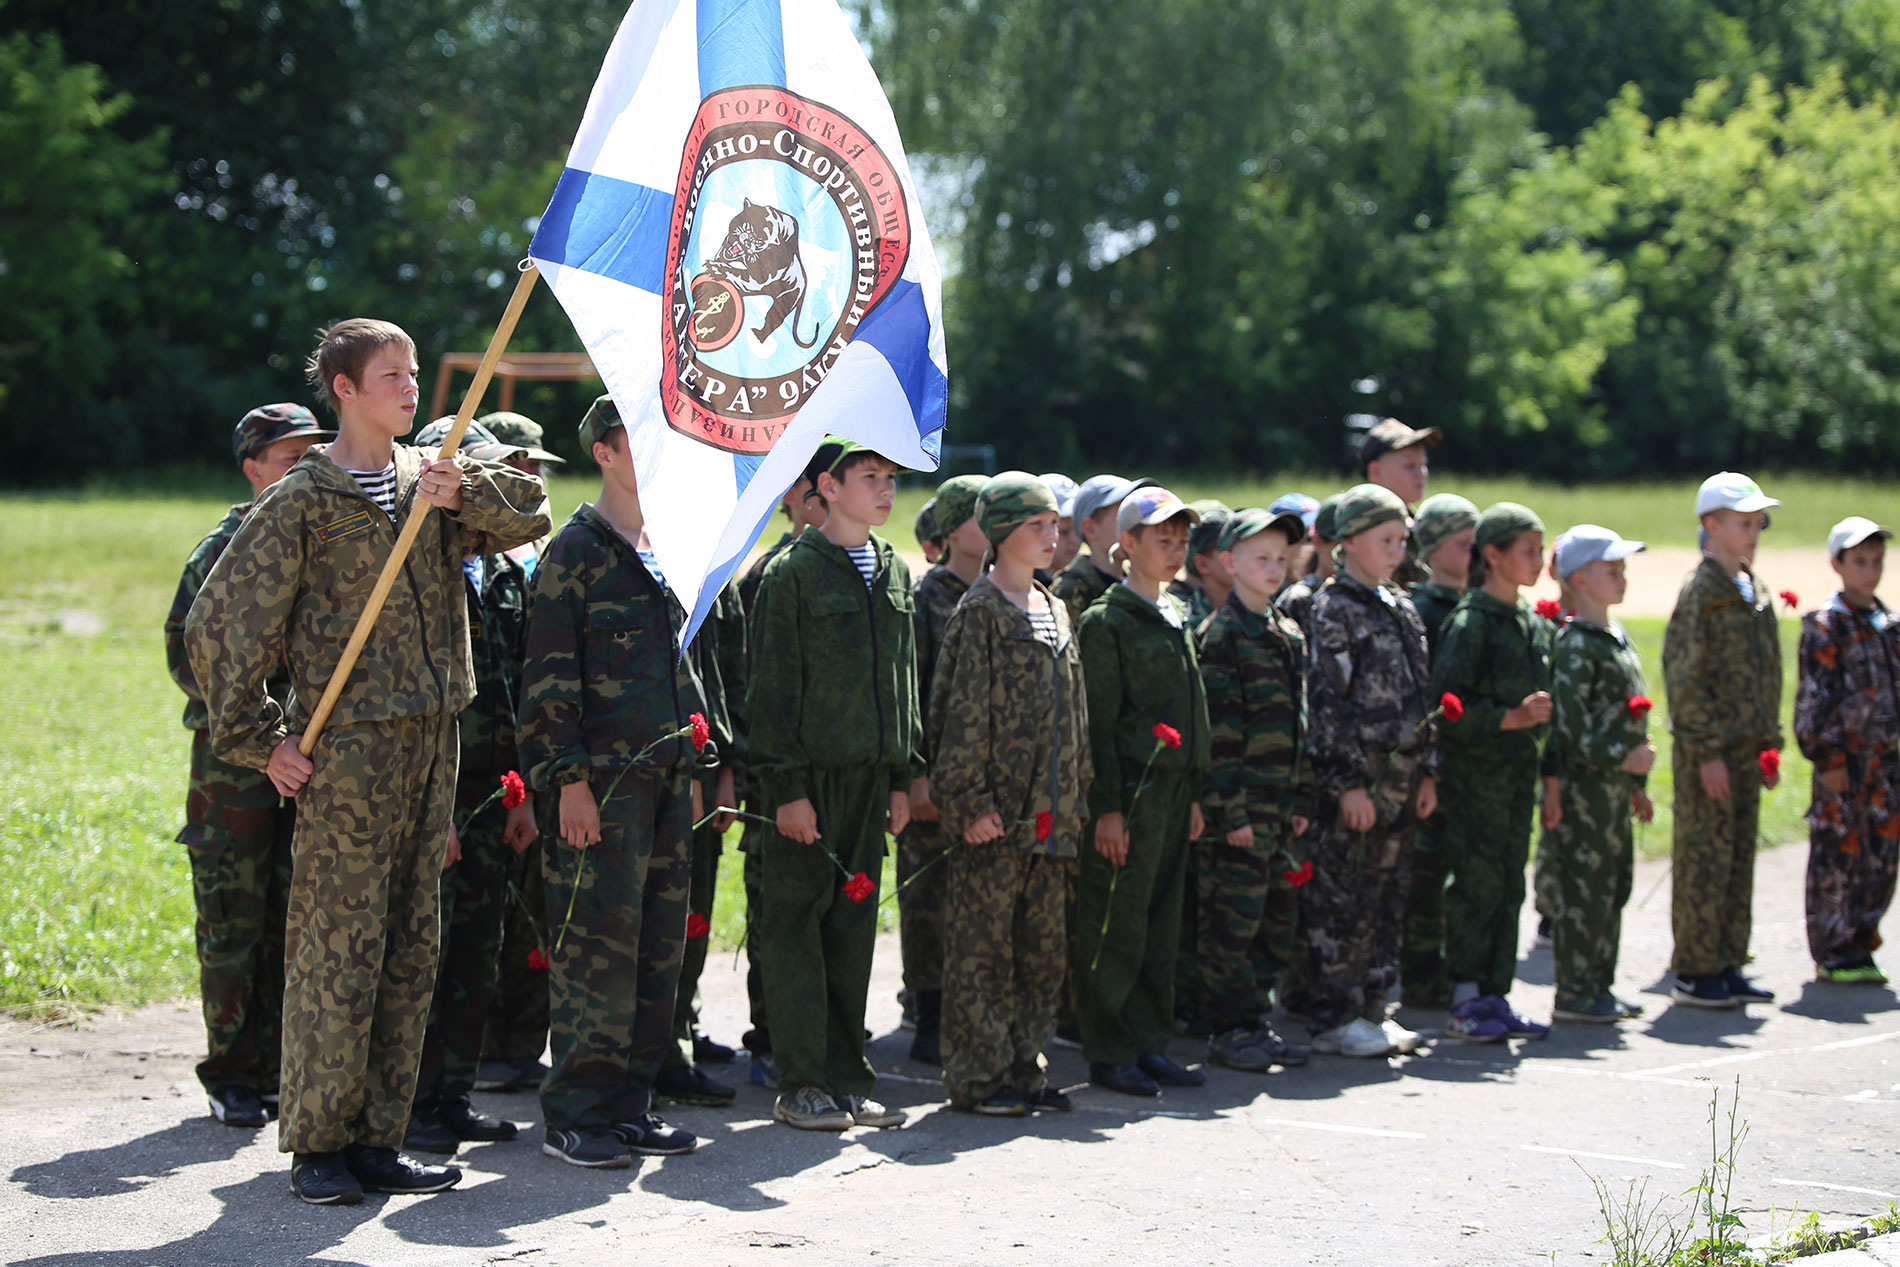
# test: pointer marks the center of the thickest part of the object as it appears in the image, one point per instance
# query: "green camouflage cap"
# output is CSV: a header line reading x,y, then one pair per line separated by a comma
x,y
1363,507
927,529
1253,521
1505,522
1326,519
1206,534
956,500
602,416
518,431
1441,517
1010,500
267,424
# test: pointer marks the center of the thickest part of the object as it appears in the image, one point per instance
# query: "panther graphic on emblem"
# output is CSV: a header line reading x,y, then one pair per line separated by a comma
x,y
760,257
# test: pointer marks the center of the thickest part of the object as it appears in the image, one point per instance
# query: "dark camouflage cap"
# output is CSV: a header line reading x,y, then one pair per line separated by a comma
x,y
927,529
267,424
519,432
1010,500
1441,517
956,500
602,417
478,441
1364,507
1251,522
1392,435
831,453
1326,519
1505,522
1206,534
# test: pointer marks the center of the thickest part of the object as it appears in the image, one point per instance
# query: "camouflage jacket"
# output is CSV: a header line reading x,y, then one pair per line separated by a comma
x,y
603,679
1010,724
755,575
1491,655
834,676
937,594
1296,600
1080,584
1367,687
1411,569
1141,672
1847,706
299,573
1194,598
197,567
1255,670
1594,673
1434,602
1722,666
497,624
719,661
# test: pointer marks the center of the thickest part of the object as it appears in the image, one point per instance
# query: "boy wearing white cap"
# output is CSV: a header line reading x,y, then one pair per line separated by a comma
x,y
1599,719
1722,667
1847,720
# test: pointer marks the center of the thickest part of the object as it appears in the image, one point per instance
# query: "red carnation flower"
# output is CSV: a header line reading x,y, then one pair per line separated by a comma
x,y
1451,706
1550,609
1045,824
1640,705
1789,597
1299,875
1168,735
538,959
1770,762
697,926
513,790
859,887
702,733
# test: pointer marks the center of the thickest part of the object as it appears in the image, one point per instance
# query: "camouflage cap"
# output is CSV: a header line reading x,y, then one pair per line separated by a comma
x,y
478,441
1010,500
927,529
1505,522
602,417
1206,534
520,433
267,424
1392,435
956,500
1326,519
1441,517
1253,521
1363,507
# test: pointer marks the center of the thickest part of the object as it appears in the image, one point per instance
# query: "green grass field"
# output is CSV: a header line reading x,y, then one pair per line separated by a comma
x,y
95,903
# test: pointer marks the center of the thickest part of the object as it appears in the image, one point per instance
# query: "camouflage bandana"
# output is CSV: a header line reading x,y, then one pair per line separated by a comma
x,y
956,500
1010,500
1440,518
602,417
1505,522
1364,507
927,529
267,424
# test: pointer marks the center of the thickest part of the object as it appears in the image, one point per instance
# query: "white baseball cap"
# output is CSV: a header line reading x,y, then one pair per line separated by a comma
x,y
1731,490
1064,489
1851,531
1584,544
1149,505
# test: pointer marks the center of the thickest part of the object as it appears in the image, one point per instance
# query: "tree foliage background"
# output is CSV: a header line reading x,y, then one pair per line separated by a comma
x,y
1591,239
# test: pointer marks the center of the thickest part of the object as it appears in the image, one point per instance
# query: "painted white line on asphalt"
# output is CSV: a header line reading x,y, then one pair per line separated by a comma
x,y
1839,1187
1872,1093
1578,1152
1865,1040
1340,1130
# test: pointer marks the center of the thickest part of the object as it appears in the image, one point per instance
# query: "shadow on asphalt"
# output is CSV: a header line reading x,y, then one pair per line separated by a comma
x,y
122,1168
1848,1004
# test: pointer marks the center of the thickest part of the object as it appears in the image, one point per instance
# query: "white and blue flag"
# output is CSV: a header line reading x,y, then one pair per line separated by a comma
x,y
739,244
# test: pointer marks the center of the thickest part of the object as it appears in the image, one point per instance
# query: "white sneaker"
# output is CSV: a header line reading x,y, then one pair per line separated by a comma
x,y
1357,1037
1403,1040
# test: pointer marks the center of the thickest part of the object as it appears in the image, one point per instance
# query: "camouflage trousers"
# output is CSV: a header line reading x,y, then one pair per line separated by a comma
x,y
920,905
703,867
613,978
1249,925
816,943
752,842
474,906
517,1029
1712,881
1352,910
1487,803
366,869
1422,957
1853,846
1004,942
1586,863
1124,979
237,835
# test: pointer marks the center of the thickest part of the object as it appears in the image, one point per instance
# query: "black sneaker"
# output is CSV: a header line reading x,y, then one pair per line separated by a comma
x,y
238,1105
427,1134
386,1170
1003,1102
649,1136
1169,1074
461,1120
1047,1099
1702,992
1127,1079
1744,990
594,1149
708,1052
683,1084
324,1179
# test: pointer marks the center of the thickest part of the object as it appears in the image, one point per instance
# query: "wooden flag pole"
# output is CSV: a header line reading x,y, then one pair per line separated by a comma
x,y
417,513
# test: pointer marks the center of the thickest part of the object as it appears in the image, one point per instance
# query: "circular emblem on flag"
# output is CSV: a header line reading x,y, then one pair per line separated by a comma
x,y
789,227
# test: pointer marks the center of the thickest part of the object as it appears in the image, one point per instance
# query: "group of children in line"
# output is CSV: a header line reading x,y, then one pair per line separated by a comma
x,y
1152,766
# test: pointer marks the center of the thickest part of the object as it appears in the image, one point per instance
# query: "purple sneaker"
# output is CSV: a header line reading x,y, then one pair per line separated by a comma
x,y
1475,1022
1515,1023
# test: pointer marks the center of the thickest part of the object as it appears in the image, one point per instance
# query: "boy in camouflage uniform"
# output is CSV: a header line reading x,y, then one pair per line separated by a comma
x,y
832,706
920,849
929,535
237,827
1847,719
1148,740
1259,790
1090,574
1369,722
1296,600
1010,773
605,697
1599,719
1722,669
376,794
1202,585
1392,455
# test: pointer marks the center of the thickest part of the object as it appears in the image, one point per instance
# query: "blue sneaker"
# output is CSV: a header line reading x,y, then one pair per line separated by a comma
x,y
763,1072
1516,1024
1474,1022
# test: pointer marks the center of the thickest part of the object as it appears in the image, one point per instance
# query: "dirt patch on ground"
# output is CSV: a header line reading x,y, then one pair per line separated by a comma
x,y
1656,576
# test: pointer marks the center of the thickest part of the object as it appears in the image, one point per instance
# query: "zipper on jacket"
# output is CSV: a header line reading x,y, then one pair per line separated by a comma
x,y
870,610
402,500
1055,729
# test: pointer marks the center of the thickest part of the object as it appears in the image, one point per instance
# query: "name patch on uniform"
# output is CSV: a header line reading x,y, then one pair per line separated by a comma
x,y
348,526
1723,604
